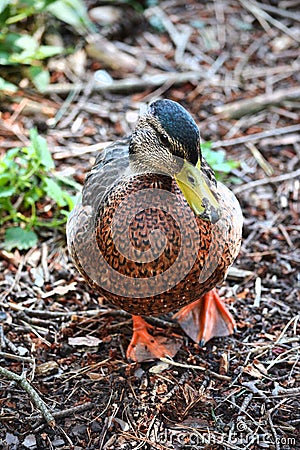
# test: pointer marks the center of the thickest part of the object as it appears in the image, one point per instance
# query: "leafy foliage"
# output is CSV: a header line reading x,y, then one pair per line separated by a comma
x,y
217,160
31,192
20,238
20,48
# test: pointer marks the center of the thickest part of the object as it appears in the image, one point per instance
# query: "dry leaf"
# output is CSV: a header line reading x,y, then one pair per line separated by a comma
x,y
159,367
260,367
95,376
257,370
47,368
103,50
224,363
86,341
252,371
60,290
124,425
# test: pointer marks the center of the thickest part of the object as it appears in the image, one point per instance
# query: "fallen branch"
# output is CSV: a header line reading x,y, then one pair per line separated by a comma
x,y
16,357
278,179
257,72
240,108
127,85
69,412
256,136
33,394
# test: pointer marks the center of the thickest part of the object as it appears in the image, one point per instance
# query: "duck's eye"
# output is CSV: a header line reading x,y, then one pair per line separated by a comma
x,y
164,140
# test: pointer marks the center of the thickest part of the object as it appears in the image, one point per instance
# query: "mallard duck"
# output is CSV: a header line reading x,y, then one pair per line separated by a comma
x,y
154,231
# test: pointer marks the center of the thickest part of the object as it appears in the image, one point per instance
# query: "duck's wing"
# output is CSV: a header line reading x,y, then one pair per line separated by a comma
x,y
110,166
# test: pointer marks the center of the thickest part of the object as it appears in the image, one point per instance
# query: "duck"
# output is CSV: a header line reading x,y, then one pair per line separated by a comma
x,y
154,232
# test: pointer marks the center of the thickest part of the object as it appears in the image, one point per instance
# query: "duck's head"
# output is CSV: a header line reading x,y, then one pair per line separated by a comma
x,y
167,140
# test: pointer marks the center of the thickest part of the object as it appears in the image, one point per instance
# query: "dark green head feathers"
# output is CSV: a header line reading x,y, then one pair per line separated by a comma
x,y
179,125
165,132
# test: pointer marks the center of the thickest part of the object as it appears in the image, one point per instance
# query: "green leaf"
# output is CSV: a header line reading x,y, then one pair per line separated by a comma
x,y
217,160
17,237
4,13
226,166
7,191
4,178
39,77
72,12
33,194
40,145
4,58
16,18
46,51
55,192
27,43
68,182
3,5
6,85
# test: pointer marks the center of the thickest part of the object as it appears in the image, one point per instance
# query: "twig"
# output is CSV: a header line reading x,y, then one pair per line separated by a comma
x,y
267,168
11,346
285,392
280,358
77,108
251,386
257,299
107,424
2,337
16,357
266,72
236,110
143,440
183,379
33,394
180,39
128,85
44,262
294,319
220,18
254,8
16,280
280,12
253,47
256,136
169,360
50,314
276,440
286,235
69,411
278,179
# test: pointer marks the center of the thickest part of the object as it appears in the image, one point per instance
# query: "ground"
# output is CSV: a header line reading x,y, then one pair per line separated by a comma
x,y
237,392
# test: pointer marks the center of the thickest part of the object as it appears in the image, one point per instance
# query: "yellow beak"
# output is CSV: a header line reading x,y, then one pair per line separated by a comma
x,y
197,193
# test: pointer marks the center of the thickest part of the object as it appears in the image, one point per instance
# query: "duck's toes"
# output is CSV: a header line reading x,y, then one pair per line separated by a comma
x,y
145,347
206,318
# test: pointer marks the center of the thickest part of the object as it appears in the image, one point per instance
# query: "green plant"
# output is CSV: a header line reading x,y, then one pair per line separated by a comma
x,y
32,193
217,160
26,48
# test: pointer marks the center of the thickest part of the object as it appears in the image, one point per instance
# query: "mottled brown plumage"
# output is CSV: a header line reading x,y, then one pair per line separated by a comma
x,y
135,238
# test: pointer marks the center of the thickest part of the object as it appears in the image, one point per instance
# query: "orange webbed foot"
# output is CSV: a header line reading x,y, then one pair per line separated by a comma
x,y
206,318
146,347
